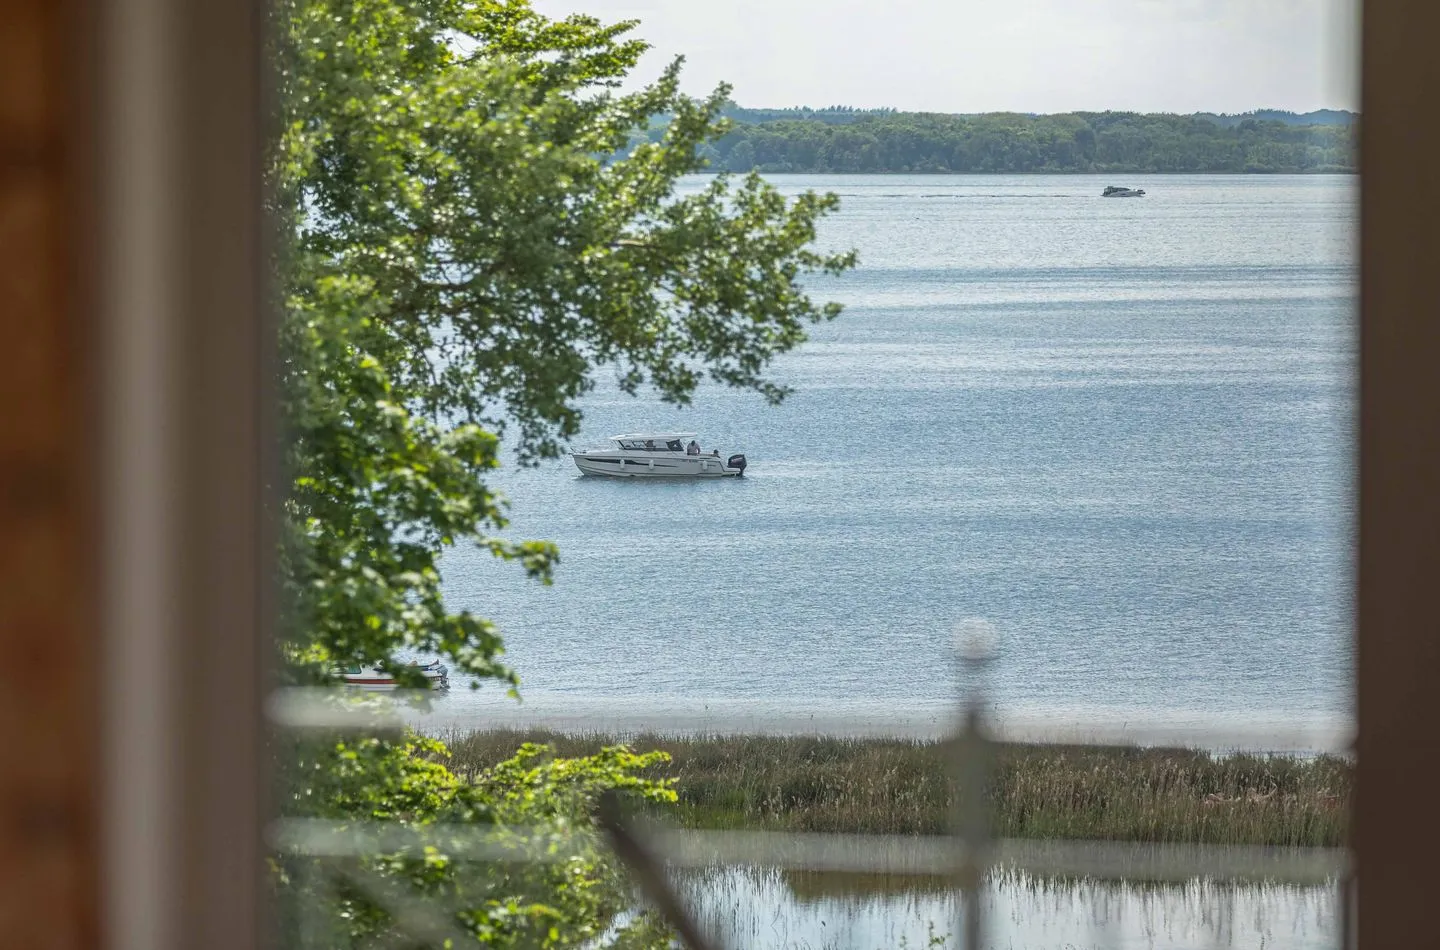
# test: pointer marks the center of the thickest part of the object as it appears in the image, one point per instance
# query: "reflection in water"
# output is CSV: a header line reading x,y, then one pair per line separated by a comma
x,y
770,910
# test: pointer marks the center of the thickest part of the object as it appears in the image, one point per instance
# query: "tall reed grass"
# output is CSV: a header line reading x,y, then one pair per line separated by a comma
x,y
898,786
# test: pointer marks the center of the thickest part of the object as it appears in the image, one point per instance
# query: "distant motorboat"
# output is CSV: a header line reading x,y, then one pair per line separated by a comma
x,y
1115,191
373,677
656,455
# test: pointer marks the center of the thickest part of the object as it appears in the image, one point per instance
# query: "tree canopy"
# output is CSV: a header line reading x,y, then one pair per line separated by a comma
x,y
461,248
463,251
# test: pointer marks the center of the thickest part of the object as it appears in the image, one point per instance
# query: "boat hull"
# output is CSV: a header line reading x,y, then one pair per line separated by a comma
x,y
614,465
378,680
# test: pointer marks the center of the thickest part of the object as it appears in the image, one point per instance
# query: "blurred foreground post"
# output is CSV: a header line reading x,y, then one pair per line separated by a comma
x,y
971,765
130,516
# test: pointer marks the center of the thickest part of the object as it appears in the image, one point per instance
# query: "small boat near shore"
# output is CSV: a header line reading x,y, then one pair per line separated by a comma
x,y
1115,191
374,678
657,455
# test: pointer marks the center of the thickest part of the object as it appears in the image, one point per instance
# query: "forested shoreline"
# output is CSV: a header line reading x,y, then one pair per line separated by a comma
x,y
885,141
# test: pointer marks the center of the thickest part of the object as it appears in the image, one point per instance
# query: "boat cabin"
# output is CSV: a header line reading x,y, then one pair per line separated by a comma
x,y
654,441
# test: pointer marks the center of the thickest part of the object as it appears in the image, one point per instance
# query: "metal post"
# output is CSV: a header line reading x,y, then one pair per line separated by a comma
x,y
971,771
649,872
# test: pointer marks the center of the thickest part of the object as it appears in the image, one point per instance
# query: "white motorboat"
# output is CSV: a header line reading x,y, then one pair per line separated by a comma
x,y
656,455
373,677
1115,191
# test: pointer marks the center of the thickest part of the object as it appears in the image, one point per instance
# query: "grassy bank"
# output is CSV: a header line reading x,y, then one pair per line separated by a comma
x,y
894,786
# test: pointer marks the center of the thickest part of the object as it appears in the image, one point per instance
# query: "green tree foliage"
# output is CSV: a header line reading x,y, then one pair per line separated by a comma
x,y
854,141
464,241
544,882
462,252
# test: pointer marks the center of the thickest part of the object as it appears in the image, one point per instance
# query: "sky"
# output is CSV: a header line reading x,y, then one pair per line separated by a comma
x,y
1004,55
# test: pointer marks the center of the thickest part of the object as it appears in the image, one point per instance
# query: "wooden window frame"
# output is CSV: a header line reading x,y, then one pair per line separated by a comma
x,y
1396,822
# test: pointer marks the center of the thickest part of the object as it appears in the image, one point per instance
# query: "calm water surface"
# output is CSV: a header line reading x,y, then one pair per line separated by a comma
x,y
771,910
1120,430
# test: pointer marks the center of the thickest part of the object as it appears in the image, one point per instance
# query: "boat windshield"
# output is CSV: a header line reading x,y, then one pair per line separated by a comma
x,y
652,445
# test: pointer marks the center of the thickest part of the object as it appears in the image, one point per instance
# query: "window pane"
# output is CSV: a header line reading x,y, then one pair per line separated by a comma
x,y
1092,385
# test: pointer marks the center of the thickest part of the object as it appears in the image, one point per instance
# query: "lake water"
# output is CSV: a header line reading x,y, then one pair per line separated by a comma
x,y
773,910
1119,430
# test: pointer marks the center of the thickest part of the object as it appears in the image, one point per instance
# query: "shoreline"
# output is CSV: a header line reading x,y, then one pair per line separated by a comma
x,y
1259,731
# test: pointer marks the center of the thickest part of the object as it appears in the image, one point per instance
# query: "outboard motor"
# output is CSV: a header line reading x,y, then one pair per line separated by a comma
x,y
736,461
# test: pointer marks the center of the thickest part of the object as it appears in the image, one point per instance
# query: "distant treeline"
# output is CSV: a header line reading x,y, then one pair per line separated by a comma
x,y
1318,117
839,139
830,115
842,115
